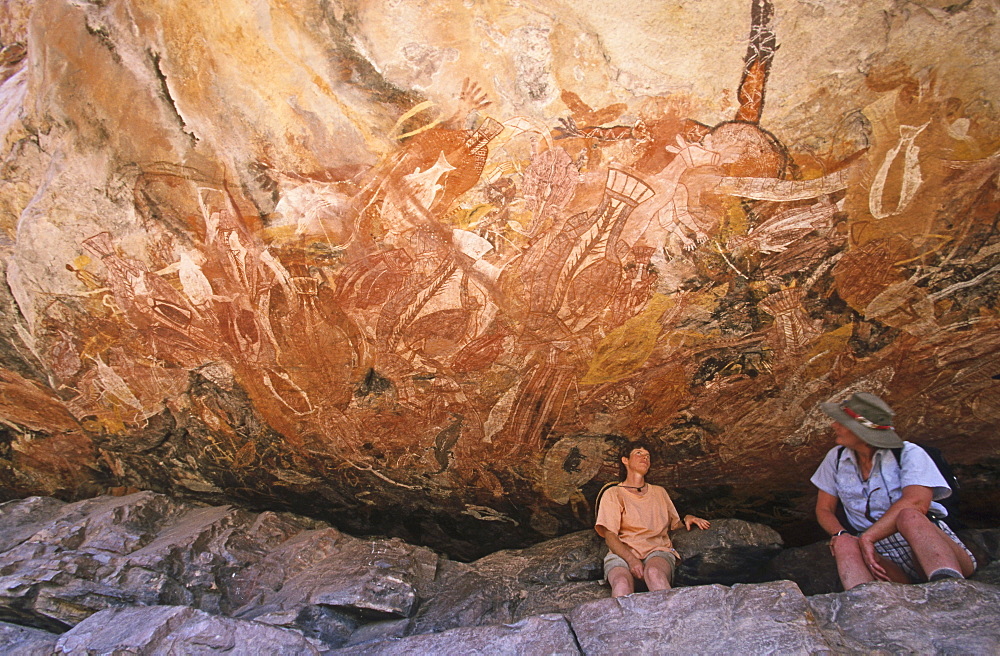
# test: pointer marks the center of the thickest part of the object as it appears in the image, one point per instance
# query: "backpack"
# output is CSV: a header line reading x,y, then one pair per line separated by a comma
x,y
597,501
950,504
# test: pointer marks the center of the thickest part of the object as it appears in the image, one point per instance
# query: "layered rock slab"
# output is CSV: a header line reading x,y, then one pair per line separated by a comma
x,y
557,575
328,584
541,634
732,551
767,618
811,567
20,520
24,641
266,577
509,585
178,630
946,617
140,549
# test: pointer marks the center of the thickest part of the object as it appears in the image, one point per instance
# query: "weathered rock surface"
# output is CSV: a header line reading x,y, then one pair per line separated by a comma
x,y
20,520
985,546
26,641
146,574
732,551
327,581
812,568
509,585
419,267
745,619
141,549
177,630
542,634
947,617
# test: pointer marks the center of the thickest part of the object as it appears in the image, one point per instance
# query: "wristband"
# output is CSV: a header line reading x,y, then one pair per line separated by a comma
x,y
840,532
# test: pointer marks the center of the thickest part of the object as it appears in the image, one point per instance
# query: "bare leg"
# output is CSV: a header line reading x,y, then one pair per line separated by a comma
x,y
657,574
621,582
932,547
851,564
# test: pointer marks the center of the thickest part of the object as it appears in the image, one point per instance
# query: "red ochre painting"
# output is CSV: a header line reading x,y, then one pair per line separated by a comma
x,y
466,329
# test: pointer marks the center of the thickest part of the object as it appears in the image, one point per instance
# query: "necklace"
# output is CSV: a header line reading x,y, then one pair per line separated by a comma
x,y
632,487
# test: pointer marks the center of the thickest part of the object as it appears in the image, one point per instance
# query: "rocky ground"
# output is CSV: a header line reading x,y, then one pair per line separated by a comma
x,y
146,574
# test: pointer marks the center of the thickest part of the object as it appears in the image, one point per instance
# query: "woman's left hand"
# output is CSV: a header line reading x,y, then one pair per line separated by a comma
x,y
872,558
697,521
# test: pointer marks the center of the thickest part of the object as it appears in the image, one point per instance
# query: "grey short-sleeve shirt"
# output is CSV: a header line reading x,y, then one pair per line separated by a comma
x,y
884,485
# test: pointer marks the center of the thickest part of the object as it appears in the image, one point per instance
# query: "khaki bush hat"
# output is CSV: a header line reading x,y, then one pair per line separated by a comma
x,y
868,417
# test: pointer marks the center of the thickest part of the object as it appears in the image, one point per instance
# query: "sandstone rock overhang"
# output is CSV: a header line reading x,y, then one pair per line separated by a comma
x,y
419,268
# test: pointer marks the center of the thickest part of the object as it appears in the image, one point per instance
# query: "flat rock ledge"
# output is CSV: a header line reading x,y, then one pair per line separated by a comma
x,y
146,574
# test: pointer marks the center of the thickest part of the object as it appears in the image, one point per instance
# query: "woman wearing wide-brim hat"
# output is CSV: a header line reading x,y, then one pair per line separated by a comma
x,y
894,528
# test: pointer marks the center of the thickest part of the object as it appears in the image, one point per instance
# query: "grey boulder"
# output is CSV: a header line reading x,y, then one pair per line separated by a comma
x,y
18,640
767,618
178,630
731,551
945,617
541,634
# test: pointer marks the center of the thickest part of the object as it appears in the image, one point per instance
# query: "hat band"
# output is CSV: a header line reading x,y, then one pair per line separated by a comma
x,y
864,422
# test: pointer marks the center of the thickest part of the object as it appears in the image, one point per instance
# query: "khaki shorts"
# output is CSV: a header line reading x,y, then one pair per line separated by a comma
x,y
612,560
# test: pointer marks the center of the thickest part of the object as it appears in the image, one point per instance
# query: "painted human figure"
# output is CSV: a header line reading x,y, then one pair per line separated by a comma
x,y
895,531
635,519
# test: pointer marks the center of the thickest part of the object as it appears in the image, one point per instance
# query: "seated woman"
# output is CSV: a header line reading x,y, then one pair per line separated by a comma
x,y
895,531
635,519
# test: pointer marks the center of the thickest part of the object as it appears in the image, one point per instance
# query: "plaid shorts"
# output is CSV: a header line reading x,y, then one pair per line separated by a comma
x,y
897,549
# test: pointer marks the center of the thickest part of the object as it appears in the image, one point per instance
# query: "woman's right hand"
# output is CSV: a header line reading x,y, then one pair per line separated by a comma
x,y
871,557
635,565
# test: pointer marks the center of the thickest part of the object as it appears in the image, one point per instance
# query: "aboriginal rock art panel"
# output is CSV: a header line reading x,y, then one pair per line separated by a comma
x,y
499,301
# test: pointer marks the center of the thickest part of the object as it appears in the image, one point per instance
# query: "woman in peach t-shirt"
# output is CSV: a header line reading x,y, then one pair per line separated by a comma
x,y
635,519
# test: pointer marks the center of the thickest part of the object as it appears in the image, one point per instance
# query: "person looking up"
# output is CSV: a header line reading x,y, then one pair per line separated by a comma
x,y
635,519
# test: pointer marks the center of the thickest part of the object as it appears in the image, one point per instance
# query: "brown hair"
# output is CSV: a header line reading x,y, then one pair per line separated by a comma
x,y
625,451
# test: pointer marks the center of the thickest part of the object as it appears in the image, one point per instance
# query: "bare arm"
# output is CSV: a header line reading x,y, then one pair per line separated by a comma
x,y
826,513
914,496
